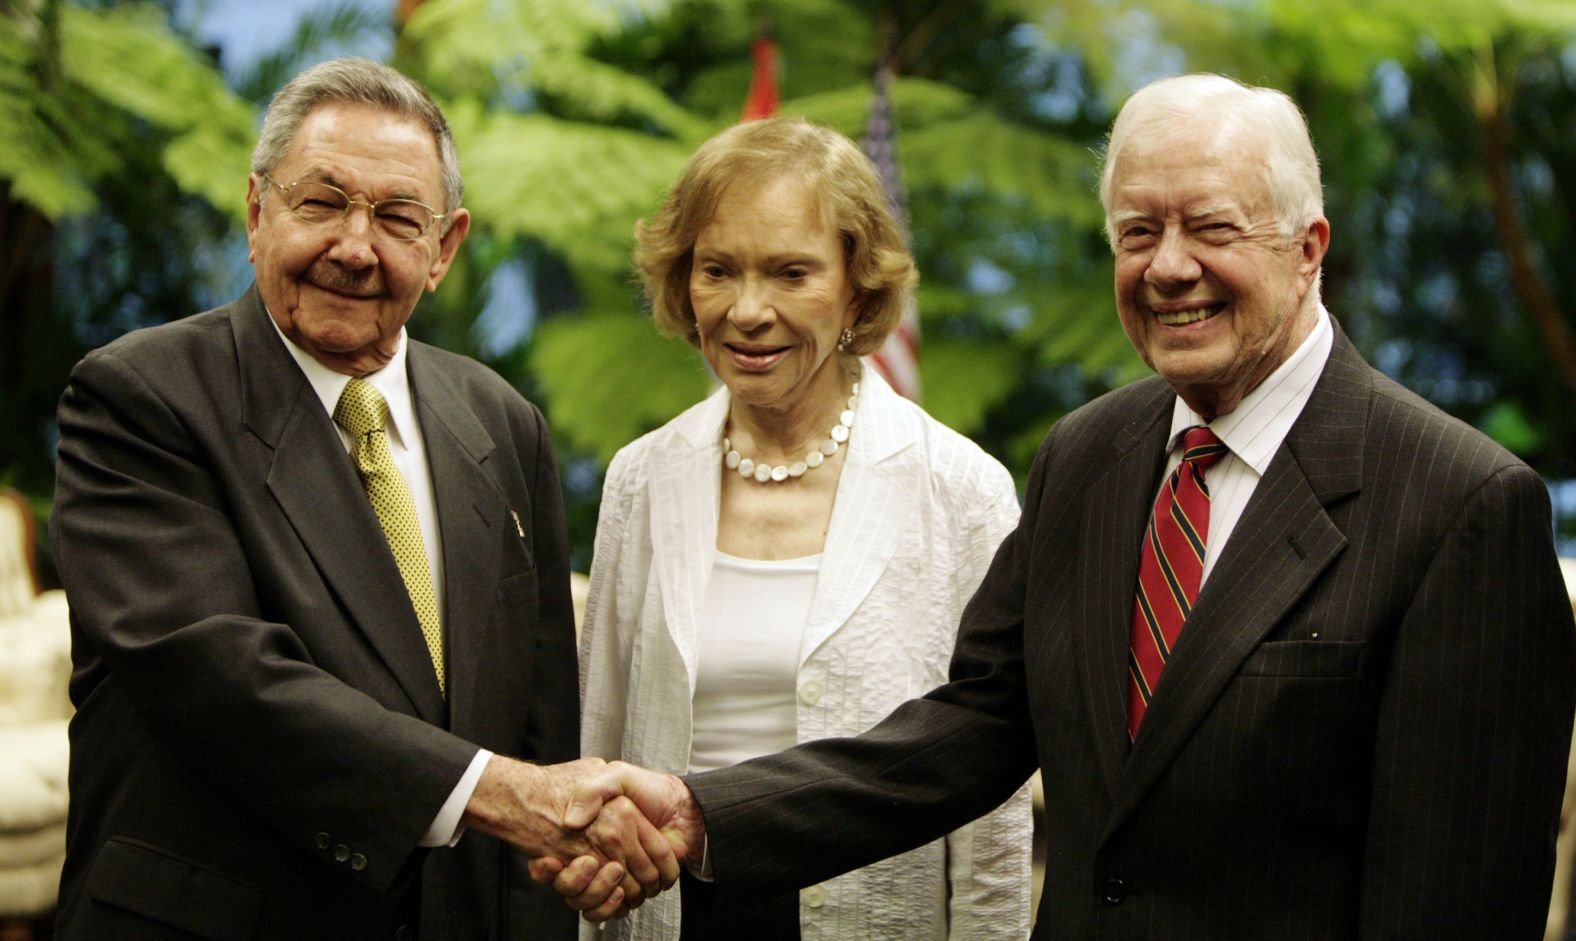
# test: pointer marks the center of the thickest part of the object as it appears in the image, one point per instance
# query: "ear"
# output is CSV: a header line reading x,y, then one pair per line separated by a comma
x,y
856,306
448,246
1315,242
254,208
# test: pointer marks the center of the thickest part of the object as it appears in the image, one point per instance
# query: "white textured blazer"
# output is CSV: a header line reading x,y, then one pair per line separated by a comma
x,y
919,512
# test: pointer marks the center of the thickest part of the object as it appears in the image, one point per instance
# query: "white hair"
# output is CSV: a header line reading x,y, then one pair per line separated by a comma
x,y
1169,107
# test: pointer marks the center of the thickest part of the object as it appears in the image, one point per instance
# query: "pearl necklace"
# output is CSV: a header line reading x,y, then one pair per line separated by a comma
x,y
763,473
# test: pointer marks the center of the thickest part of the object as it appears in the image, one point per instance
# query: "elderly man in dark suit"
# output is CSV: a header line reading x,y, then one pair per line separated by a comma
x,y
1288,644
318,578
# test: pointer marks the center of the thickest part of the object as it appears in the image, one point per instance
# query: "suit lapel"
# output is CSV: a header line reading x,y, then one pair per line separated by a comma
x,y
316,486
1115,512
470,507
863,534
685,486
1283,542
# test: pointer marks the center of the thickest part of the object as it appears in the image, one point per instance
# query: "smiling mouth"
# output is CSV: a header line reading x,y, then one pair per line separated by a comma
x,y
346,293
755,357
1181,318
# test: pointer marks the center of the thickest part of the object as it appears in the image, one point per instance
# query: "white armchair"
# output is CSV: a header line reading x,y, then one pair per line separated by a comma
x,y
35,665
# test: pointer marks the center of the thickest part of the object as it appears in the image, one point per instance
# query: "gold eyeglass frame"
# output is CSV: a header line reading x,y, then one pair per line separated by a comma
x,y
351,202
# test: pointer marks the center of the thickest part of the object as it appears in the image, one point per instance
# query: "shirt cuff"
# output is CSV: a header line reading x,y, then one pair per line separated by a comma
x,y
446,829
702,870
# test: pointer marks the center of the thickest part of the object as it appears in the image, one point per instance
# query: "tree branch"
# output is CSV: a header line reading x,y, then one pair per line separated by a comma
x,y
1489,105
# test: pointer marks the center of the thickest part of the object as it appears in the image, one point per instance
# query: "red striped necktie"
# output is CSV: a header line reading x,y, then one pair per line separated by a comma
x,y
1170,567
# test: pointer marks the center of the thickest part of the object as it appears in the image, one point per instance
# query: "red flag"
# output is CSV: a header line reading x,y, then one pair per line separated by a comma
x,y
762,99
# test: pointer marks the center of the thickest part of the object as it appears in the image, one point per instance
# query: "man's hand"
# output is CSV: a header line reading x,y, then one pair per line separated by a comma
x,y
612,791
618,857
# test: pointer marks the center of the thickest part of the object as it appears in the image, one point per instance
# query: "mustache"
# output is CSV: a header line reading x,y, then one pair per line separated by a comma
x,y
326,274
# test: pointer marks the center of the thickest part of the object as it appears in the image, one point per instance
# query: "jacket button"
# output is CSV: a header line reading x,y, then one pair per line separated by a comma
x,y
815,896
810,693
358,862
404,933
324,841
1113,892
341,853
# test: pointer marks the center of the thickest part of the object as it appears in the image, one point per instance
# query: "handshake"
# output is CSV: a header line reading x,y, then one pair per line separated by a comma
x,y
607,836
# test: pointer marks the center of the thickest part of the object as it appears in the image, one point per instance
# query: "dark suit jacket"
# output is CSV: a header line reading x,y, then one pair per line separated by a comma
x,y
260,739
1361,733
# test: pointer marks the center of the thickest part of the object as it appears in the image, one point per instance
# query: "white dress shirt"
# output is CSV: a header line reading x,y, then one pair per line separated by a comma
x,y
409,451
1253,432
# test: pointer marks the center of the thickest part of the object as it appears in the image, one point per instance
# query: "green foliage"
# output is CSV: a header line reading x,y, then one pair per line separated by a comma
x,y
964,379
576,187
539,47
123,62
609,378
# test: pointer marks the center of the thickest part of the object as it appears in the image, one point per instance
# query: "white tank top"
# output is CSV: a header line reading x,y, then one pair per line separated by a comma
x,y
751,628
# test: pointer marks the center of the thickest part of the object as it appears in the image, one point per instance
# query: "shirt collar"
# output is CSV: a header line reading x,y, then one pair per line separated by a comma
x,y
392,381
1255,429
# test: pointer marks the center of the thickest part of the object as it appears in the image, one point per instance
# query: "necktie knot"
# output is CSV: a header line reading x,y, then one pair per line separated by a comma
x,y
1201,448
361,409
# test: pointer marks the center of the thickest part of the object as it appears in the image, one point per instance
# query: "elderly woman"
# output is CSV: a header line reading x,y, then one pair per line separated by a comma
x,y
788,559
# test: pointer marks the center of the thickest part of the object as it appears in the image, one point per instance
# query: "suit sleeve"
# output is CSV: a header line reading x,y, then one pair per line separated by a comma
x,y
988,861
826,807
1473,729
164,607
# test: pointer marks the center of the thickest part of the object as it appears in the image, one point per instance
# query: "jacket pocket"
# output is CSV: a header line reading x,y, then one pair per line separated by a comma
x,y
146,880
1313,658
517,590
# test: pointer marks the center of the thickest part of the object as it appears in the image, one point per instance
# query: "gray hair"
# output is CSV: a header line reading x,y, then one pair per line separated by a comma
x,y
1168,106
358,82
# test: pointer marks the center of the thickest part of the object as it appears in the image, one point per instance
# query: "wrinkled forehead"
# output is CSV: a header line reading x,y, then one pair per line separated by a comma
x,y
365,134
1228,153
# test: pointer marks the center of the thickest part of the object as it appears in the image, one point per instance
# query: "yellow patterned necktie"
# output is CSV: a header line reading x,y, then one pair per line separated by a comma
x,y
363,412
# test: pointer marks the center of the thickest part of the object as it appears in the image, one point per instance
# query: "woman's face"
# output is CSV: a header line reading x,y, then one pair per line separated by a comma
x,y
770,289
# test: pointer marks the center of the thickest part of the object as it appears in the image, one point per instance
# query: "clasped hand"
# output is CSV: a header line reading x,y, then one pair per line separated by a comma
x,y
606,836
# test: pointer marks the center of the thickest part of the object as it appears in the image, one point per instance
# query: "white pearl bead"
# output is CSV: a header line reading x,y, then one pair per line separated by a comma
x,y
763,472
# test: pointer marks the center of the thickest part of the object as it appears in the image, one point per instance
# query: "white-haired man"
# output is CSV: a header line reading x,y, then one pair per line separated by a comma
x,y
1288,644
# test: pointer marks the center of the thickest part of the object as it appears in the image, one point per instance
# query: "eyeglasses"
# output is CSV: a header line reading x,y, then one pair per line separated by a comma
x,y
321,204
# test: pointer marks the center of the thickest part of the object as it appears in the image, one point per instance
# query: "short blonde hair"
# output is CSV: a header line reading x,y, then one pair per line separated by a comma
x,y
851,197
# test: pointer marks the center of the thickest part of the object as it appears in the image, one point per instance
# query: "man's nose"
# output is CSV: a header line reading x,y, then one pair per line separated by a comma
x,y
1173,262
353,238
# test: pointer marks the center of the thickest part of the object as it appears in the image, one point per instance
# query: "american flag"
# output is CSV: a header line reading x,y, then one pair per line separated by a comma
x,y
898,358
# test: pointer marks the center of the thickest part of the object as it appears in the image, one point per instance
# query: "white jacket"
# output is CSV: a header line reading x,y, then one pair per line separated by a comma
x,y
919,512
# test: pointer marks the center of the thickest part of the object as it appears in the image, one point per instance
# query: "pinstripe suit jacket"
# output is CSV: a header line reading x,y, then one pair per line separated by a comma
x,y
1361,734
